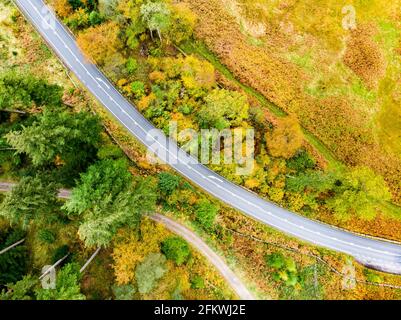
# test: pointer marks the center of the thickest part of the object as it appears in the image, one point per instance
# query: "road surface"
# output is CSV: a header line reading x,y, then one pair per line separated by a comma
x,y
375,253
239,288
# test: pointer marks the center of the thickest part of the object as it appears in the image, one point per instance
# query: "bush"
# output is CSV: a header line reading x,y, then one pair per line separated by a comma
x,y
168,183
95,18
285,139
301,162
206,213
131,65
110,151
285,268
176,249
46,236
138,89
197,282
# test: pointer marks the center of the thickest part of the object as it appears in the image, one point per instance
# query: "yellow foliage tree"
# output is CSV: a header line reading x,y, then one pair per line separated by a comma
x,y
286,139
100,43
130,249
62,8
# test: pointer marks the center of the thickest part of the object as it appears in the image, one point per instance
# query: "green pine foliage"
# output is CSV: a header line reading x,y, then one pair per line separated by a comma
x,y
107,198
168,183
21,290
13,263
19,91
67,285
32,199
72,137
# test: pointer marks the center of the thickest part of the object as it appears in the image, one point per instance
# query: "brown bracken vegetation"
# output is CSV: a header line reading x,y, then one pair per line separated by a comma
x,y
335,121
363,56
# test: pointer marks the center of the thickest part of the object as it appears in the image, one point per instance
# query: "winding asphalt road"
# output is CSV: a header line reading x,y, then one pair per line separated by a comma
x,y
239,288
377,254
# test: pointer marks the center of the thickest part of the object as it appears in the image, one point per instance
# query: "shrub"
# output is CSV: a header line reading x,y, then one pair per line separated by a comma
x,y
168,183
286,139
110,151
197,282
285,268
301,162
95,18
206,213
223,109
138,89
131,65
46,236
364,57
176,249
124,292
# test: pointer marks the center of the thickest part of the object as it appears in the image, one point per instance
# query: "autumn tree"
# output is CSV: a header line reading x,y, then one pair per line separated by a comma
x,y
360,192
100,43
107,198
355,192
78,20
108,8
223,109
130,248
183,22
156,16
198,75
286,138
62,7
149,271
